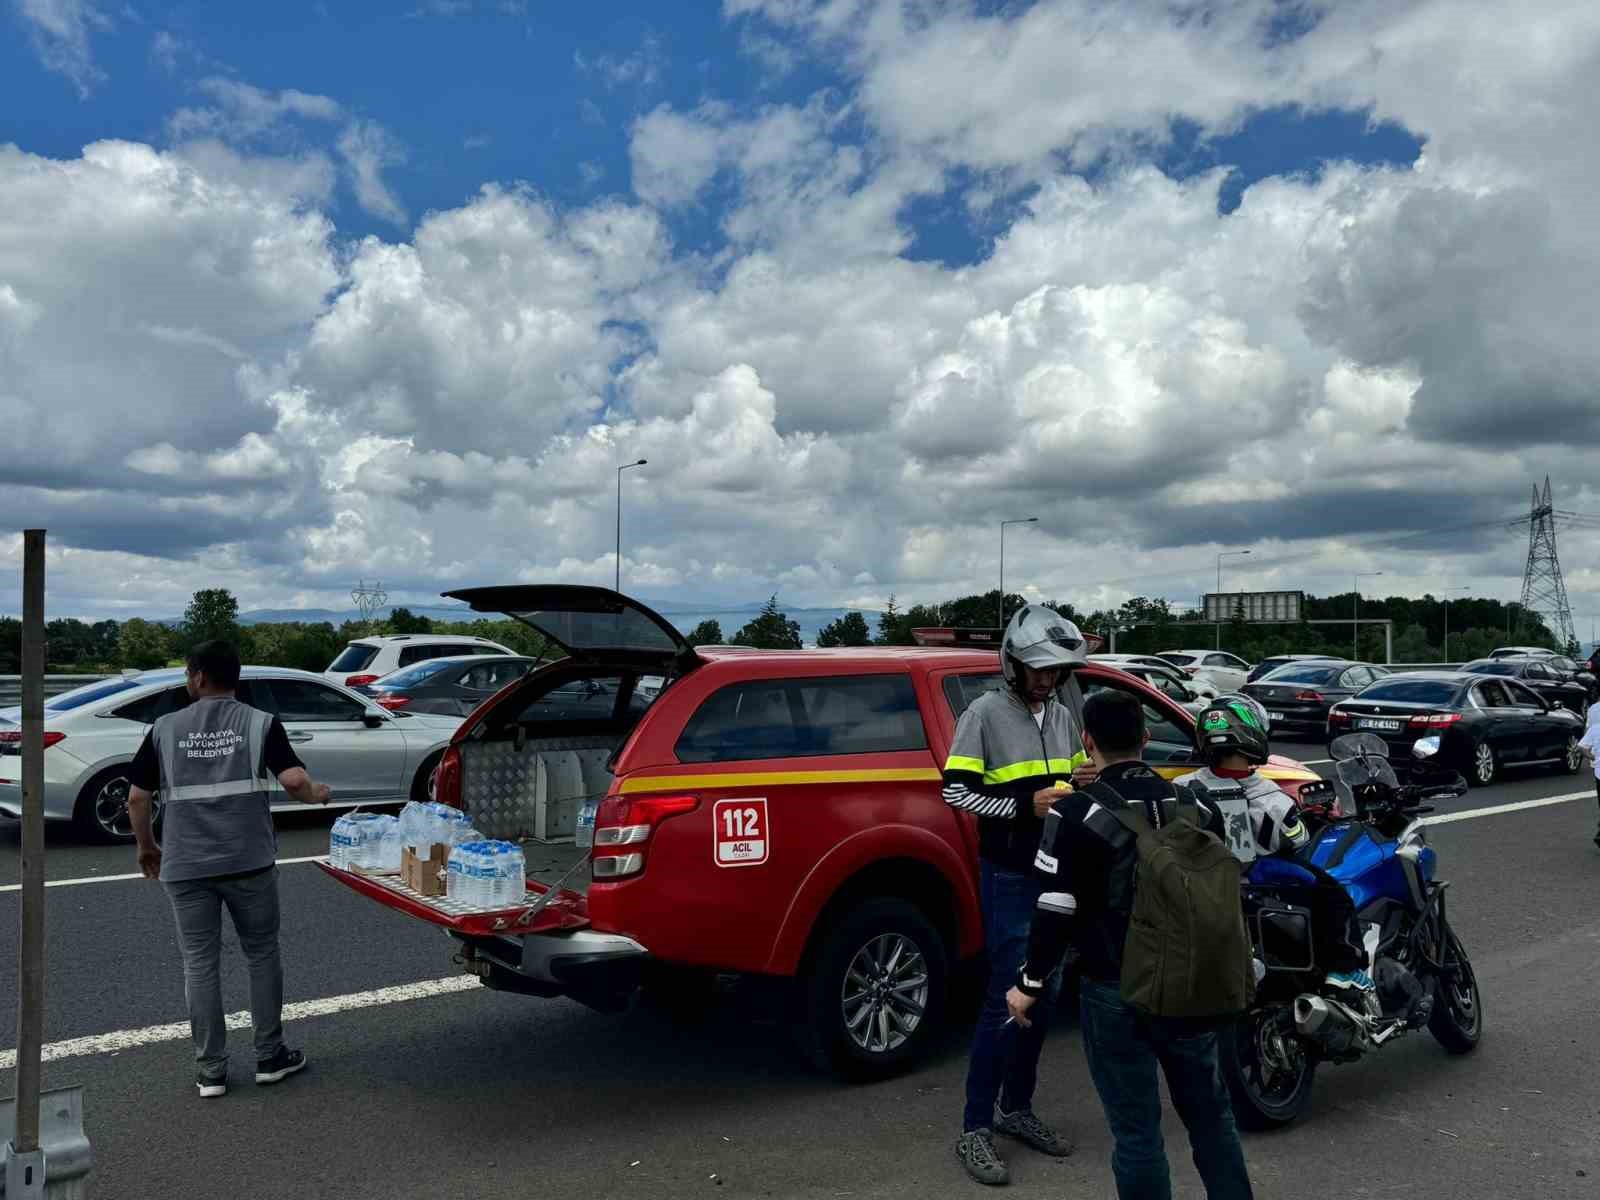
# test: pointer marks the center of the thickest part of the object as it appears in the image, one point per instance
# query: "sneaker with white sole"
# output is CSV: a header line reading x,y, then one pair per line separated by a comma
x,y
975,1149
210,1088
280,1066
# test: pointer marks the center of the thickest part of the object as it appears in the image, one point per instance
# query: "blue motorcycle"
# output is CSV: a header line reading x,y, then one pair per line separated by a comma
x,y
1376,864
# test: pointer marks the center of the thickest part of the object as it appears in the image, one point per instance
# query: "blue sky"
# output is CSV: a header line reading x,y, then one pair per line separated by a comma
x,y
388,290
488,90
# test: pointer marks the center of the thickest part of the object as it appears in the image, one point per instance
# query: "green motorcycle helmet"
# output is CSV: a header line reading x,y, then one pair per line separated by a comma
x,y
1234,724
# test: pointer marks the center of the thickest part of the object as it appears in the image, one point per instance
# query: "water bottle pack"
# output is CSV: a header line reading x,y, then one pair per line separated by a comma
x,y
487,875
433,824
368,841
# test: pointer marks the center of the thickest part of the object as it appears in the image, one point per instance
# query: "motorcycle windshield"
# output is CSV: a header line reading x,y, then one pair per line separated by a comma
x,y
1361,772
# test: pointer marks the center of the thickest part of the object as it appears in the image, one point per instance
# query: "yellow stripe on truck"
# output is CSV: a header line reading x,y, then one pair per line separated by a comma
x,y
664,783
750,779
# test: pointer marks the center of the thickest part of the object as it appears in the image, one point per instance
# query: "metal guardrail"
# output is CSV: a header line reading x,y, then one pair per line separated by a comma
x,y
54,685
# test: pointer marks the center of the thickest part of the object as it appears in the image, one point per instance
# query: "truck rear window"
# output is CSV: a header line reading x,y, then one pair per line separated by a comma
x,y
796,718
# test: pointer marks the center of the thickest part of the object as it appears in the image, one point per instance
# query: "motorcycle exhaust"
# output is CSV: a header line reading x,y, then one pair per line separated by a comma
x,y
1330,1025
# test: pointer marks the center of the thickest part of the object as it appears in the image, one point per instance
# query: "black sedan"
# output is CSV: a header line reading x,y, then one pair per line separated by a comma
x,y
451,686
1268,665
1484,723
1574,671
1538,674
1301,693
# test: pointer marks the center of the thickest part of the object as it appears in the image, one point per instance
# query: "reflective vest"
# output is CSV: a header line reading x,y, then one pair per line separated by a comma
x,y
216,807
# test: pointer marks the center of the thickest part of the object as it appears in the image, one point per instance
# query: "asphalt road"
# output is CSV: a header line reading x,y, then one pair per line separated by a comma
x,y
472,1092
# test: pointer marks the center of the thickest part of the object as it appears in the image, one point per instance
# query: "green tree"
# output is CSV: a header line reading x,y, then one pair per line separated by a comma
x,y
403,620
849,630
213,614
889,624
10,646
707,633
69,643
142,645
770,630
1411,646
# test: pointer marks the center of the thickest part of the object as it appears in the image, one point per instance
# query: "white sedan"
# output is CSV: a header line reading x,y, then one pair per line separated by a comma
x,y
1227,671
364,753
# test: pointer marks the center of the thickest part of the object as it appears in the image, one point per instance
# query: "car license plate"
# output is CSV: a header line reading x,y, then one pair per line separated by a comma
x,y
1277,714
1374,723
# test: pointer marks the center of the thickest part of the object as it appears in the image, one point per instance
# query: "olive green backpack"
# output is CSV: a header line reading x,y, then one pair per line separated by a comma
x,y
1188,952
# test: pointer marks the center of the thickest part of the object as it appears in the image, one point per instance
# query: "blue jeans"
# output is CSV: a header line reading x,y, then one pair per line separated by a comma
x,y
1005,1058
1123,1049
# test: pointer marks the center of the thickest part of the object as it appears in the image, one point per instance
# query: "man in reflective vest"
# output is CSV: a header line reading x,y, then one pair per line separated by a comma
x,y
1011,749
212,764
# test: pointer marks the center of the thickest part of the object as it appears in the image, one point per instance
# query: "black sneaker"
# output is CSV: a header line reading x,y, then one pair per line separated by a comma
x,y
1031,1131
280,1066
210,1088
975,1149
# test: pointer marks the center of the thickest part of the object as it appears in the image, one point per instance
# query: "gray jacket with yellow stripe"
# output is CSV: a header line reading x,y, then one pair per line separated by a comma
x,y
1000,757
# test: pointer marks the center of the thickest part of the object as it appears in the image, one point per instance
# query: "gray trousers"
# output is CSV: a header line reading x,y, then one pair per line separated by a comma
x,y
252,903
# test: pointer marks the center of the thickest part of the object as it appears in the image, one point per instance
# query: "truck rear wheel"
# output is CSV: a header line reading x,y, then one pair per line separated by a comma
x,y
874,992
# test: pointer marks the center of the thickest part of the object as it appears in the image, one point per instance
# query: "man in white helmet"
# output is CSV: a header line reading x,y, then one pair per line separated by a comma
x,y
1012,748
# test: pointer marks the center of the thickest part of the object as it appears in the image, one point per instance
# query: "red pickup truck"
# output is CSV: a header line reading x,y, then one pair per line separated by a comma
x,y
772,814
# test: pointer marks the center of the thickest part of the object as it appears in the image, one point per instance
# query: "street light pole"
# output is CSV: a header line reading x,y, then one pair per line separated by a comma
x,y
1220,557
1355,613
620,470
1003,524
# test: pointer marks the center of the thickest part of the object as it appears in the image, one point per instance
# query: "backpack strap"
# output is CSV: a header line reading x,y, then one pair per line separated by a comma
x,y
1116,822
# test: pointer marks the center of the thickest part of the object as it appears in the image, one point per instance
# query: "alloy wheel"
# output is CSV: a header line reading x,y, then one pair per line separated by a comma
x,y
1483,762
1574,756
111,808
885,993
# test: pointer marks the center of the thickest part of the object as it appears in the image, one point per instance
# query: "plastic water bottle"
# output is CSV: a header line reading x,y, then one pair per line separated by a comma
x,y
516,881
456,875
340,843
583,836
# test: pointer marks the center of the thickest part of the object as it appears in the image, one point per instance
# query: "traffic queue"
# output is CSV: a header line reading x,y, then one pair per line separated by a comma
x,y
851,826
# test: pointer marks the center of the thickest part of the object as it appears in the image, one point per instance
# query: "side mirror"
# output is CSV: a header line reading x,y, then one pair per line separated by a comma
x,y
372,720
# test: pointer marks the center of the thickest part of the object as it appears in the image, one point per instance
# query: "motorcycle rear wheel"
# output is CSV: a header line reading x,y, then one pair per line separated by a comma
x,y
1457,1019
1268,1068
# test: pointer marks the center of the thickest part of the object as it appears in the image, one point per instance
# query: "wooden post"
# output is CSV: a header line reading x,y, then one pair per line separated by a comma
x,y
30,955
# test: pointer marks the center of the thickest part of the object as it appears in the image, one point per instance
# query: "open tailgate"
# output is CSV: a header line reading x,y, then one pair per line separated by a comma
x,y
566,911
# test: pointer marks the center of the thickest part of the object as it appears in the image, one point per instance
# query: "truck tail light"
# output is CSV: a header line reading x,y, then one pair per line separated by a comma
x,y
447,779
361,680
392,703
13,737
622,822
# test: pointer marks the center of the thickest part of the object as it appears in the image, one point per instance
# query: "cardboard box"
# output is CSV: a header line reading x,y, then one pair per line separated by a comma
x,y
424,875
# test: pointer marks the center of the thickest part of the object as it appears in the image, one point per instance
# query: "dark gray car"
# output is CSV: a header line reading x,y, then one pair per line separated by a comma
x,y
450,686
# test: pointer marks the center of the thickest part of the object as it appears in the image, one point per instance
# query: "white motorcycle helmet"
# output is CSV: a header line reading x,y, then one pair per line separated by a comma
x,y
1040,638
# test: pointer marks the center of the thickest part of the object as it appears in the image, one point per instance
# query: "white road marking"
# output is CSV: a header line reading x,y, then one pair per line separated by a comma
x,y
128,1039
1495,810
50,883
